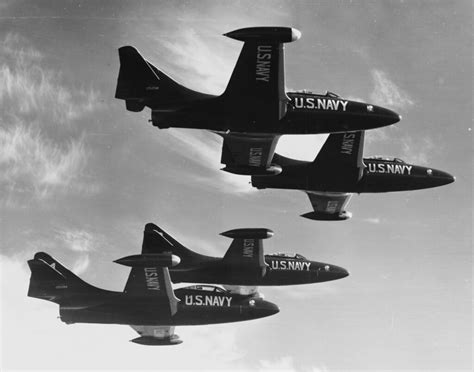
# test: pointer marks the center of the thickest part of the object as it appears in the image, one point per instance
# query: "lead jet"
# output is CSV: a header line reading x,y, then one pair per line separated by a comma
x,y
339,171
148,303
244,265
255,108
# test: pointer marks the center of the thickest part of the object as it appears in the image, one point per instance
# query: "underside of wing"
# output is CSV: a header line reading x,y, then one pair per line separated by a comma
x,y
156,335
328,206
249,154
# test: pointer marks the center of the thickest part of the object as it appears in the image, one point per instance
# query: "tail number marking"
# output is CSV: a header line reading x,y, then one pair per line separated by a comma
x,y
248,250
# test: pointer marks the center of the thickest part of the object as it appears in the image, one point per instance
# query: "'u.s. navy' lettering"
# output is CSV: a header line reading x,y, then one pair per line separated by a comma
x,y
255,156
151,278
248,250
202,300
390,168
348,143
314,103
264,56
290,265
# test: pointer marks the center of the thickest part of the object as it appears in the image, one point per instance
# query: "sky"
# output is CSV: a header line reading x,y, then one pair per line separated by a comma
x,y
80,177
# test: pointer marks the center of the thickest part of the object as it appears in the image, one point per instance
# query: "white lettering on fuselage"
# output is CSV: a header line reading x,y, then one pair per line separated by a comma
x,y
255,156
264,56
402,169
151,279
314,103
348,143
290,265
248,250
206,300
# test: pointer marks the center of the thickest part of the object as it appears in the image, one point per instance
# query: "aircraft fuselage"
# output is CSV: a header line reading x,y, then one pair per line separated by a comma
x,y
377,176
196,307
306,113
278,271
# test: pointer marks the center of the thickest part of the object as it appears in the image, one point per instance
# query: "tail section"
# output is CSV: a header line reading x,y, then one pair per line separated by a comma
x,y
141,84
156,240
52,281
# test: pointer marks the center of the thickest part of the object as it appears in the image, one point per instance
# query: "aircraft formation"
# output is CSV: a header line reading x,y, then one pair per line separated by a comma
x,y
254,111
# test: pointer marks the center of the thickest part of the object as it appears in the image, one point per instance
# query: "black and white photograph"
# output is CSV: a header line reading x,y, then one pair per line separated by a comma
x,y
236,185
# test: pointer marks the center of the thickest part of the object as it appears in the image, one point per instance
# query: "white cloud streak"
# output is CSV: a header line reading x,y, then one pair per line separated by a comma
x,y
387,93
33,99
32,164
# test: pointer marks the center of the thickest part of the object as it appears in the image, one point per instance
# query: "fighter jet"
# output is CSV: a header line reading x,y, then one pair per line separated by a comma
x,y
148,304
244,265
339,171
254,110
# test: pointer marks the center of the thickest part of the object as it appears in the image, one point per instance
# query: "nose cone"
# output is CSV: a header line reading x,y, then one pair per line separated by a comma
x,y
384,116
326,272
439,178
264,308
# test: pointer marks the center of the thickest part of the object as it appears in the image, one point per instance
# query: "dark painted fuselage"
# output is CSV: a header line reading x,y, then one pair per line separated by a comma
x,y
196,307
379,175
306,113
279,270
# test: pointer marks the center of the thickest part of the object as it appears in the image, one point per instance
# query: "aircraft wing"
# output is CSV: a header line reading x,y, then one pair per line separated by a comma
x,y
342,152
156,335
153,280
249,154
328,206
246,250
258,79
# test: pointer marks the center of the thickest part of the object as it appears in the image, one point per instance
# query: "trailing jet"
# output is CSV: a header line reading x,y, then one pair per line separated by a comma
x,y
339,170
148,304
254,110
243,267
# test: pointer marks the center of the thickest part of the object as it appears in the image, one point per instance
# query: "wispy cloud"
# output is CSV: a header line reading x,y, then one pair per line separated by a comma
x,y
34,165
37,111
285,363
387,93
76,240
204,149
417,150
373,220
27,88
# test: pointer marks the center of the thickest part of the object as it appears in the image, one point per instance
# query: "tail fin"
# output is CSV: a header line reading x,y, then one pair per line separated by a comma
x,y
139,81
156,240
51,281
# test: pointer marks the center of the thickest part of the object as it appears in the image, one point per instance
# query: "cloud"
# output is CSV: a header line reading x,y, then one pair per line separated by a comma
x,y
76,240
33,165
373,220
285,363
204,149
29,89
37,161
417,150
387,93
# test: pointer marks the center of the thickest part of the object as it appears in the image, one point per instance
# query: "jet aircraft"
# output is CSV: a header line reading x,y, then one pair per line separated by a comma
x,y
339,170
148,303
243,267
254,110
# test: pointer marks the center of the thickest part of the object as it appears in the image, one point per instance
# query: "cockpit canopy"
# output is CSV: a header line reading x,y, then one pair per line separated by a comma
x,y
327,94
207,288
386,158
295,256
